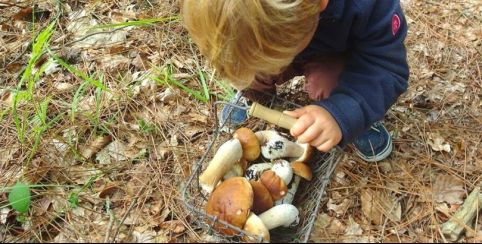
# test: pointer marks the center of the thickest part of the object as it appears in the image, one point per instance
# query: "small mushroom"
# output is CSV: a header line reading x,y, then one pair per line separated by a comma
x,y
302,169
285,215
262,198
254,171
275,185
292,188
274,146
283,169
231,201
255,226
249,143
225,158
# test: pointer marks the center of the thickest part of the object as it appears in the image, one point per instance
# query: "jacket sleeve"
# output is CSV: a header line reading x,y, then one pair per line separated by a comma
x,y
376,72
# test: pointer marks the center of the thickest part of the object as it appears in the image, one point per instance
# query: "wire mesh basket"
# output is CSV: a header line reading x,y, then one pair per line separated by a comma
x,y
308,198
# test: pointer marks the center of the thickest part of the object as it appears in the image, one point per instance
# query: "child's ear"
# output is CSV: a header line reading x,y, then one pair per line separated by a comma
x,y
323,4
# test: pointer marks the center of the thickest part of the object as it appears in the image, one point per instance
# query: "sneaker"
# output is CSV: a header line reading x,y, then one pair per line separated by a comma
x,y
375,144
232,116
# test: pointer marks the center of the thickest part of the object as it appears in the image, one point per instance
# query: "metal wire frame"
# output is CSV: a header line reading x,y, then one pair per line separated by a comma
x,y
308,197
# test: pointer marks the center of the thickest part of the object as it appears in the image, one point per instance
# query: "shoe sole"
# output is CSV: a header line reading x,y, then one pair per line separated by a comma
x,y
381,156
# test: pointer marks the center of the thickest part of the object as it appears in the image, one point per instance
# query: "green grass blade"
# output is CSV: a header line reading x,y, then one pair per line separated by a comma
x,y
78,73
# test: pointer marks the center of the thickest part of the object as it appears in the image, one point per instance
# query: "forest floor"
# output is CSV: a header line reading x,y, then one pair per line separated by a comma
x,y
105,106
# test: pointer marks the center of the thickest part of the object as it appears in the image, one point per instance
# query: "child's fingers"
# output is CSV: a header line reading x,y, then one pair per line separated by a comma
x,y
301,125
326,146
310,134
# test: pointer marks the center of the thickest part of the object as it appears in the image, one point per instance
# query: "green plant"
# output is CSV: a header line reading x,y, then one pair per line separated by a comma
x,y
20,198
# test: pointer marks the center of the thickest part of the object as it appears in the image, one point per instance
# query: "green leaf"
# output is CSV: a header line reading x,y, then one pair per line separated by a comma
x,y
20,197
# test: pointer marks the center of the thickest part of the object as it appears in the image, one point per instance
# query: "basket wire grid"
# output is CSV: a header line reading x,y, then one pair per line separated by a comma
x,y
308,198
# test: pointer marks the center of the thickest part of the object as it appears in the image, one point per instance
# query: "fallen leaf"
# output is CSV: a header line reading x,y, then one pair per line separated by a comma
x,y
449,189
376,205
95,146
175,226
438,143
339,209
144,236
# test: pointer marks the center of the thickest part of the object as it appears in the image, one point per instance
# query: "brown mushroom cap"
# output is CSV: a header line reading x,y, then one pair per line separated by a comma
x,y
249,143
303,170
231,201
262,197
275,185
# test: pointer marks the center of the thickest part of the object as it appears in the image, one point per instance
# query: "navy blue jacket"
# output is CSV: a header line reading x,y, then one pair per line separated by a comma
x,y
372,33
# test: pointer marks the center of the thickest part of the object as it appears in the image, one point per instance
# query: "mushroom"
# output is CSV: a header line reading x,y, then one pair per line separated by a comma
x,y
249,143
255,226
262,198
285,215
302,169
231,201
274,146
254,171
292,188
307,153
275,185
237,170
283,169
225,158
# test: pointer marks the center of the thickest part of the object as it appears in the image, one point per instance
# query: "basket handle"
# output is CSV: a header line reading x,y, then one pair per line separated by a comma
x,y
273,116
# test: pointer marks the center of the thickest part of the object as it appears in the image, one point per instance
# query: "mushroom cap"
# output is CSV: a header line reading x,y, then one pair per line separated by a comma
x,y
231,201
255,226
249,143
262,197
303,170
307,152
275,185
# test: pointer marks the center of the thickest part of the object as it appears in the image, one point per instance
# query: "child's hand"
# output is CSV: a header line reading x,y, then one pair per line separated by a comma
x,y
315,126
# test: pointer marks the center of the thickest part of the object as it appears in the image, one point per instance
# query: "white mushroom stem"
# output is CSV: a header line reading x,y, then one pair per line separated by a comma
x,y
225,158
283,169
274,146
290,196
285,215
254,171
235,171
255,226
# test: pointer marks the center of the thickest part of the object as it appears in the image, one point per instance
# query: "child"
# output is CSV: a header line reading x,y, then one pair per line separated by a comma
x,y
351,53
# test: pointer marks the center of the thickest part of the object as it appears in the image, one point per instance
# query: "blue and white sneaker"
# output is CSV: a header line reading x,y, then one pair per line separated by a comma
x,y
375,144
231,116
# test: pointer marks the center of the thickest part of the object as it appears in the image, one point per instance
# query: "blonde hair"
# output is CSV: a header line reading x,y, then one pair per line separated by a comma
x,y
247,38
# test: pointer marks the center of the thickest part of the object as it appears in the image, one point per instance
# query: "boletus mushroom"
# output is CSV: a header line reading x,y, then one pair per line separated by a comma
x,y
231,201
285,215
249,143
225,158
274,146
262,198
275,185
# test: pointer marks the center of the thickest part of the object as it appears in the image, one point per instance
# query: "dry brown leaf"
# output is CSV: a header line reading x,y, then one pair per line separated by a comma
x,y
95,146
437,143
447,188
376,205
175,226
339,209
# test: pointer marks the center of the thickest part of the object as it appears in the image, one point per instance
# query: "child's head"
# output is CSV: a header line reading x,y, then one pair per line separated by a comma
x,y
247,38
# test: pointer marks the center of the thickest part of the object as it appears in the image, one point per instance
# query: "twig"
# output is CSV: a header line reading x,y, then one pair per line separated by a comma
x,y
128,211
111,220
461,220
